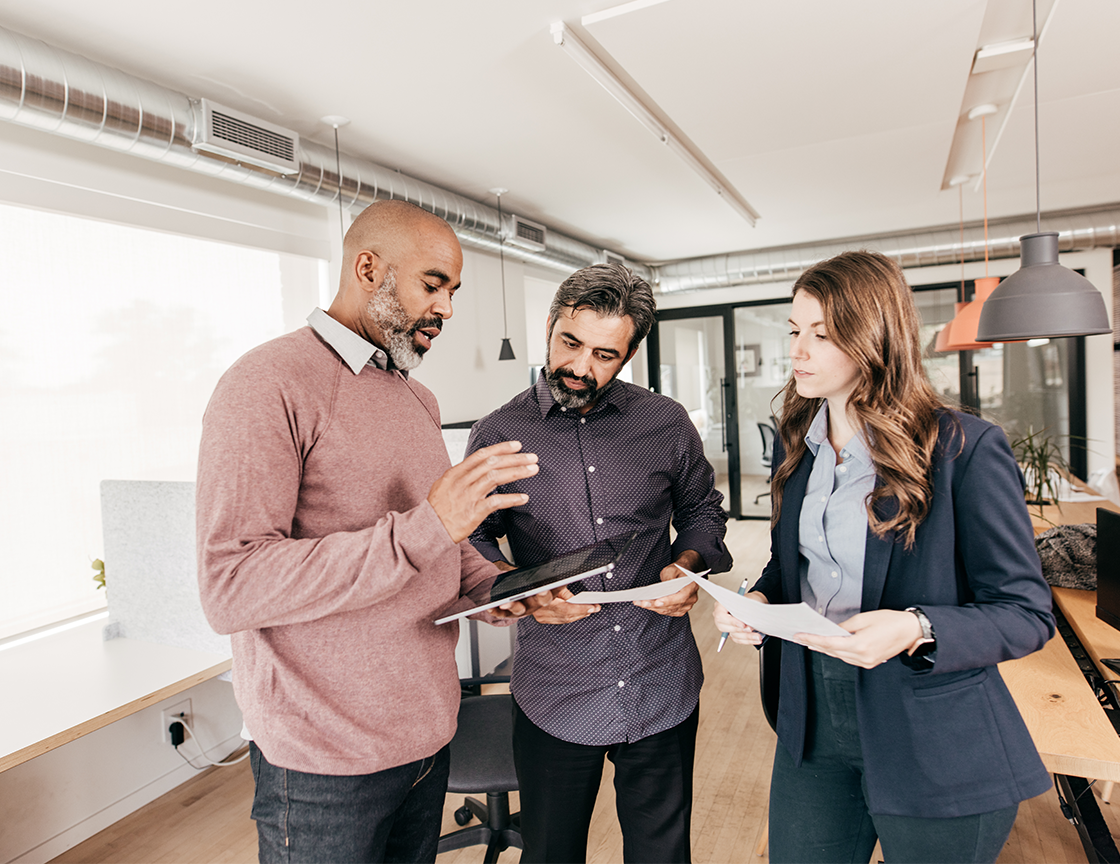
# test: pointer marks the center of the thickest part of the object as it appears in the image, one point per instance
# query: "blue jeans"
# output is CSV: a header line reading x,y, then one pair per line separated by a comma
x,y
392,815
818,811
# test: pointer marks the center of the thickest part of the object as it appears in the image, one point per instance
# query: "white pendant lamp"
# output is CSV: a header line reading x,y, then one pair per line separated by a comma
x,y
1042,299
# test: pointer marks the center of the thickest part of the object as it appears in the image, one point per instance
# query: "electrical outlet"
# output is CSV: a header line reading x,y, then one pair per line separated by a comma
x,y
178,711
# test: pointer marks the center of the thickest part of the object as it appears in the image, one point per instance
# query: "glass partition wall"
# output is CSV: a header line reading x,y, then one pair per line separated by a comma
x,y
728,364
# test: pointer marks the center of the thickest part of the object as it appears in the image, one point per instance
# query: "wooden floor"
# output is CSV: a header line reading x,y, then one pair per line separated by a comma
x,y
207,819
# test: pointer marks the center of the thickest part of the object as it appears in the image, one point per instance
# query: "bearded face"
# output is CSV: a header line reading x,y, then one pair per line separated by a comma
x,y
398,330
565,395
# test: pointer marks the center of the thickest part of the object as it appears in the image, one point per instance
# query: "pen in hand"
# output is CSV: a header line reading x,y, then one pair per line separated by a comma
x,y
723,636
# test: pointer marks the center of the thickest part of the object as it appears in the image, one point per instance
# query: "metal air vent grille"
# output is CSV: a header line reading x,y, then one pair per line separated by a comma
x,y
240,137
256,138
528,235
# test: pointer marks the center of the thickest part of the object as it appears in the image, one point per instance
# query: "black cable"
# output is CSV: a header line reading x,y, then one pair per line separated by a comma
x,y
502,259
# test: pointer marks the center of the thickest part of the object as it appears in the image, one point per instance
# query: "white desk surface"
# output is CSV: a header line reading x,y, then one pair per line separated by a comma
x,y
71,683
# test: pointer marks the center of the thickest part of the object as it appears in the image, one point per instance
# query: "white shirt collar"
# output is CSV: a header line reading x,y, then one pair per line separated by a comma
x,y
352,348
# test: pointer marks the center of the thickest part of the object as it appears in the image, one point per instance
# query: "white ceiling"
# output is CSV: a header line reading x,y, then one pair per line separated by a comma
x,y
832,119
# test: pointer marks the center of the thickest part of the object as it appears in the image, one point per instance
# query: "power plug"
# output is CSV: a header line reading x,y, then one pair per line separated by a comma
x,y
176,714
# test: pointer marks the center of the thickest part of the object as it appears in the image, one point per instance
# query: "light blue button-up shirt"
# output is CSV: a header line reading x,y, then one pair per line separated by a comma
x,y
833,523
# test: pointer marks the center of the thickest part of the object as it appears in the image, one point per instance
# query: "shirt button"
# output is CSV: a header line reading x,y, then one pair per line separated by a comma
x,y
582,419
820,537
833,574
591,468
842,469
610,575
617,627
599,521
820,609
562,408
824,499
621,683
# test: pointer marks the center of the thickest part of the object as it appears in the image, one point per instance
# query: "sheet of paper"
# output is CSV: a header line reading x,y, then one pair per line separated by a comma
x,y
643,592
782,620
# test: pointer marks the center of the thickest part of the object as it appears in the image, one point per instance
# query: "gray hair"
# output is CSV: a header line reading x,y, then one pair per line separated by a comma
x,y
613,291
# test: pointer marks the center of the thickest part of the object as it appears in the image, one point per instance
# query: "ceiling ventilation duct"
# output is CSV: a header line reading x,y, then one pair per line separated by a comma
x,y
46,88
1077,229
241,138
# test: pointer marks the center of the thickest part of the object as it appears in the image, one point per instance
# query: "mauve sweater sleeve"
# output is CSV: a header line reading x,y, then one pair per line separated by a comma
x,y
253,573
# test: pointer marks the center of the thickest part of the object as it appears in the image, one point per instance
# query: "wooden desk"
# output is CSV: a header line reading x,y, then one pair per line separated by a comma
x,y
1070,512
69,684
1068,725
1100,639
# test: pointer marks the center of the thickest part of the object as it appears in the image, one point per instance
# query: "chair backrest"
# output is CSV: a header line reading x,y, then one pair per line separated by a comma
x,y
767,432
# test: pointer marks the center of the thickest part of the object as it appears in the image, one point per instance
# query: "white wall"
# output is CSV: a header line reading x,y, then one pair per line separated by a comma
x,y
59,799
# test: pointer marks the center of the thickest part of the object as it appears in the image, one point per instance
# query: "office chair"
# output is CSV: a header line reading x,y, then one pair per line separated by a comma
x,y
769,681
767,432
482,761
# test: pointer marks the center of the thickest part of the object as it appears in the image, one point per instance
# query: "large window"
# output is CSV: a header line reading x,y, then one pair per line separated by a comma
x,y
111,341
727,363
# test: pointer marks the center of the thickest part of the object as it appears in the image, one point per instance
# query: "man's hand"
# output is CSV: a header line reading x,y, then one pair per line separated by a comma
x,y
461,497
526,605
877,636
739,632
559,611
678,604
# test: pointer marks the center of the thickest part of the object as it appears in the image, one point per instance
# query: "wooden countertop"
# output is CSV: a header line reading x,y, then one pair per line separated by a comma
x,y
71,683
1068,725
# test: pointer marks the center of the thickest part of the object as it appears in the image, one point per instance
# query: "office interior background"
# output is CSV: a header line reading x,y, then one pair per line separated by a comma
x,y
728,145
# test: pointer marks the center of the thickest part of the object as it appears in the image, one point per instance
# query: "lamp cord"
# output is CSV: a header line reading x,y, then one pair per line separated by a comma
x,y
502,259
960,207
1034,62
338,168
984,144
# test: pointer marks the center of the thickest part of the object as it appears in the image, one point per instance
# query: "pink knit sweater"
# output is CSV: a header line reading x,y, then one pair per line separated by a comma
x,y
319,552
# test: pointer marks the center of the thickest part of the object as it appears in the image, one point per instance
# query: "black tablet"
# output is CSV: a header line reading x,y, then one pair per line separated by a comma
x,y
569,567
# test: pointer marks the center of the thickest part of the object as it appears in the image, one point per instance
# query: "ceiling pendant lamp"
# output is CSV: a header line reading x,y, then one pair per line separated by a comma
x,y
944,336
506,352
960,333
963,327
1042,299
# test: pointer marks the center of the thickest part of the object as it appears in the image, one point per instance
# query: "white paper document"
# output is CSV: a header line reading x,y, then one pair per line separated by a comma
x,y
782,620
644,592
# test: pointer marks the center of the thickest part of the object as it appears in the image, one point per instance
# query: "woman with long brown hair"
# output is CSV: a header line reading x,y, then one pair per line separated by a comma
x,y
904,522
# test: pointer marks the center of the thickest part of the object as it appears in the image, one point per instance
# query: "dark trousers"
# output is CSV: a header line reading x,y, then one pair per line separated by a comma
x,y
558,783
392,815
818,812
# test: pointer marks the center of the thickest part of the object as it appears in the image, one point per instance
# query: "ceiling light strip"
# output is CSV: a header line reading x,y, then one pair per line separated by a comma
x,y
1015,99
622,9
610,82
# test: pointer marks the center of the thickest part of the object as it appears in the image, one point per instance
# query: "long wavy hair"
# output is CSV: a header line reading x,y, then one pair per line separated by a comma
x,y
869,314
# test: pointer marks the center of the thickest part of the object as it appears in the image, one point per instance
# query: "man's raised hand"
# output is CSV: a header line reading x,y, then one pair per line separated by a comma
x,y
461,497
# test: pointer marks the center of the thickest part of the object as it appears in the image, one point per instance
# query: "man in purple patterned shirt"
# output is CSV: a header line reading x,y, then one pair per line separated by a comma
x,y
620,680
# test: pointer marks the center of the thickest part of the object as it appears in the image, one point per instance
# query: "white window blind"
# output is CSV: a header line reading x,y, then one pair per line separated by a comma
x,y
111,341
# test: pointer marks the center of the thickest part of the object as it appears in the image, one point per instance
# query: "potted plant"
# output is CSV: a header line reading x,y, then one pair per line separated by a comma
x,y
1045,468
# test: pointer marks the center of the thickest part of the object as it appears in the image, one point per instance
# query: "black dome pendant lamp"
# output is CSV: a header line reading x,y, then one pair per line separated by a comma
x,y
1042,299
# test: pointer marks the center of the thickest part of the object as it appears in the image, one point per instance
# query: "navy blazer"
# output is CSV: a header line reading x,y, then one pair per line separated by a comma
x,y
947,741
